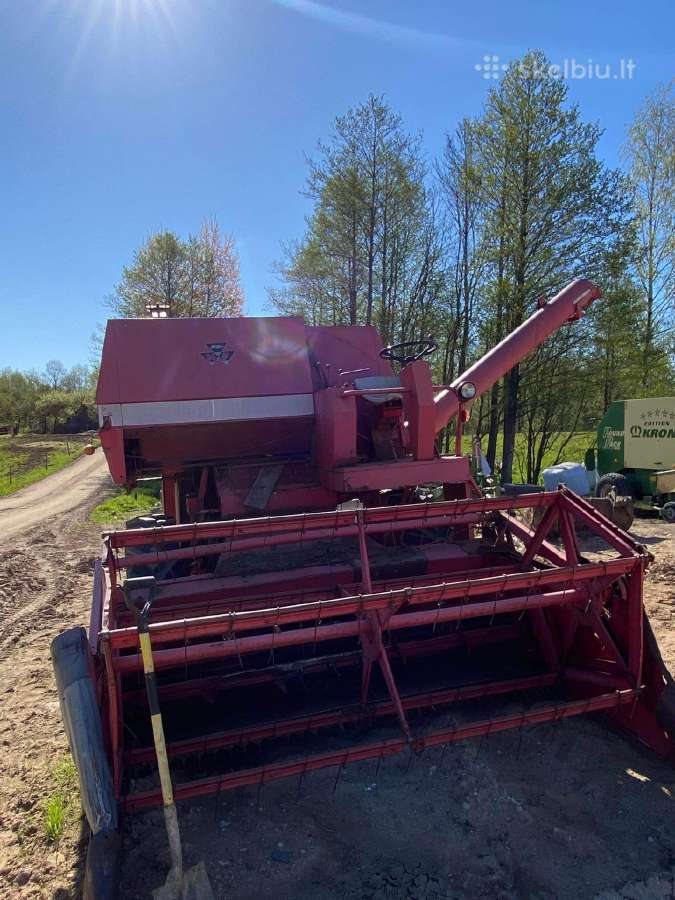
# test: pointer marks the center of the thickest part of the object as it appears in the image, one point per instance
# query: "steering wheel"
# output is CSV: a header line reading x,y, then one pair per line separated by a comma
x,y
397,352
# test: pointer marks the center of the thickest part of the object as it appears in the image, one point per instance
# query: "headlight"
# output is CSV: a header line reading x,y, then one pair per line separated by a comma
x,y
467,391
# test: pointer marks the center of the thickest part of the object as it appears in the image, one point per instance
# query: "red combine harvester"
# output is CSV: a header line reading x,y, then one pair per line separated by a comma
x,y
303,576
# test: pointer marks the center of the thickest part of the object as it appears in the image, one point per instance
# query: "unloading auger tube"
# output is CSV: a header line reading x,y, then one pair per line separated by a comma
x,y
567,306
301,587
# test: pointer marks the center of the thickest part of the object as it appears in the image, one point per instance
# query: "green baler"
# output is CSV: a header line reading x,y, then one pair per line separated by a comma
x,y
635,454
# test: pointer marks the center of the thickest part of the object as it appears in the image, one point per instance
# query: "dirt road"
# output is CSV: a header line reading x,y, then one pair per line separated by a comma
x,y
565,811
58,493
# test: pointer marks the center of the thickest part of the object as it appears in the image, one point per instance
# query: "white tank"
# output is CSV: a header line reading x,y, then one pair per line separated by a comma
x,y
572,475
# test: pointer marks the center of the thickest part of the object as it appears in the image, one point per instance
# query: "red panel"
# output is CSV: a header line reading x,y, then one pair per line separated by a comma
x,y
345,347
112,442
163,359
168,445
419,408
285,499
335,428
376,476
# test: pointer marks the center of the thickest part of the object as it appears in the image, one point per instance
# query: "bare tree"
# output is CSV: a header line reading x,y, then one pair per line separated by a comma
x,y
55,372
371,253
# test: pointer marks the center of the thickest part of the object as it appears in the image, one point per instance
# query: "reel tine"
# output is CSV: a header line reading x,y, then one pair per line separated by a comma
x,y
439,604
410,761
185,646
300,780
337,777
259,793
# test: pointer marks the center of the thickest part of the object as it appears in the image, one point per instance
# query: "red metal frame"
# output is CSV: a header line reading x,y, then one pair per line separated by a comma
x,y
581,621
423,606
381,749
290,399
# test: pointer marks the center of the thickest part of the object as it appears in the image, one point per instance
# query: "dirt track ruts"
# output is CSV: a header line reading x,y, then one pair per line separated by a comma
x,y
58,493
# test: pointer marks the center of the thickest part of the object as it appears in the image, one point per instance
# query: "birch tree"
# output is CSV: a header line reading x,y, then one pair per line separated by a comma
x,y
650,153
371,253
196,277
553,207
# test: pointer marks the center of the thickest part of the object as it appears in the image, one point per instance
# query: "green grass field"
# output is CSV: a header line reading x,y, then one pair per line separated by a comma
x,y
573,451
26,458
122,505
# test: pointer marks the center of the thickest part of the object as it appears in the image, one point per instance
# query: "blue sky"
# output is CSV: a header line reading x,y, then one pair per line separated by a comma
x,y
119,117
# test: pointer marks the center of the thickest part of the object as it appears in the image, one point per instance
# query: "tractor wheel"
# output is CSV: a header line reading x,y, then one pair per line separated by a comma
x,y
668,512
614,482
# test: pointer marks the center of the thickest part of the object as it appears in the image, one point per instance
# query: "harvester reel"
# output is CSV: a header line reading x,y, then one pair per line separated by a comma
x,y
397,352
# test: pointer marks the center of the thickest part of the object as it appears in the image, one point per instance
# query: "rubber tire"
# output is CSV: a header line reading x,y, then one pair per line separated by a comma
x,y
619,483
668,512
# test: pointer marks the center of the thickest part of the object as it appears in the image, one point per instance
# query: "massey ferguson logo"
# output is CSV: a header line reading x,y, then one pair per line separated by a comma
x,y
217,354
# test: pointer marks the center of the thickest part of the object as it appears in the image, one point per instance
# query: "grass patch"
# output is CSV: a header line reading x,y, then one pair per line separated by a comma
x,y
62,802
125,505
55,818
27,458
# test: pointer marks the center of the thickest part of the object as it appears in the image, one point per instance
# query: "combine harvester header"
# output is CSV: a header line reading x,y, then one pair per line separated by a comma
x,y
305,608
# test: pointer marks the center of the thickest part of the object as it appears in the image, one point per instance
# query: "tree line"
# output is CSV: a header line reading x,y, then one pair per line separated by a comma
x,y
515,206
56,399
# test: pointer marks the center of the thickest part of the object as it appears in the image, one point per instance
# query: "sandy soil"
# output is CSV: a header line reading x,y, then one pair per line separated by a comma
x,y
47,550
568,811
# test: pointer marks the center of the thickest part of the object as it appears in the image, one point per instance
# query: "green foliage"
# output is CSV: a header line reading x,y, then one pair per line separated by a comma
x,y
562,446
41,402
559,447
125,505
194,277
54,818
552,212
520,206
